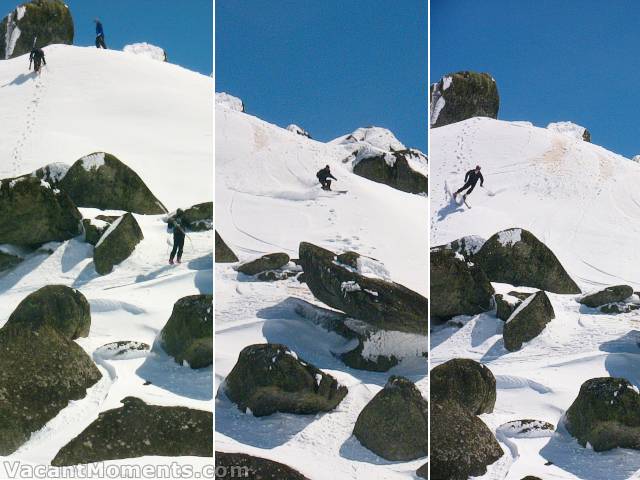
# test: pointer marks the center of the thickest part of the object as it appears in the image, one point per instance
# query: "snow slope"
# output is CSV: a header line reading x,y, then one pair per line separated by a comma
x,y
268,200
157,118
583,202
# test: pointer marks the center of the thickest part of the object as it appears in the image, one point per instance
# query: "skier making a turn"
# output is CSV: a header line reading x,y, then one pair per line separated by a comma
x,y
177,222
37,58
470,180
324,175
99,35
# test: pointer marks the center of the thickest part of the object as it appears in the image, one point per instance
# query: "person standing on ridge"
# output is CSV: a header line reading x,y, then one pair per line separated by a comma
x,y
324,175
100,35
177,222
470,180
37,58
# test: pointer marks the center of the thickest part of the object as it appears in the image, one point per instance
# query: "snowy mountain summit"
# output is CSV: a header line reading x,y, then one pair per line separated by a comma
x,y
146,50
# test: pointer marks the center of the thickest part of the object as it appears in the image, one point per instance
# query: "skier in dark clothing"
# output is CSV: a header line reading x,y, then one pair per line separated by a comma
x,y
99,35
177,223
37,58
470,180
323,176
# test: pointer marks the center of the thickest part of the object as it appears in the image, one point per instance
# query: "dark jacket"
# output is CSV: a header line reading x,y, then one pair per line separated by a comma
x,y
37,55
99,30
177,224
324,173
472,177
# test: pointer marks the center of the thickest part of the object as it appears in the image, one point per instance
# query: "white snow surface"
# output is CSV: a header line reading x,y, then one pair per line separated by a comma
x,y
147,50
229,101
268,200
582,201
568,128
377,137
93,161
156,118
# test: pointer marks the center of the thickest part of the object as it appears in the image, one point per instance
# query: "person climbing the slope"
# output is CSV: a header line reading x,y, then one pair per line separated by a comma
x,y
470,180
324,175
100,35
177,223
37,58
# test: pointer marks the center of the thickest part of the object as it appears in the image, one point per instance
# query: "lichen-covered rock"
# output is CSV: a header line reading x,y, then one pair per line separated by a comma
x,y
515,256
138,429
257,468
199,217
381,303
462,446
223,253
271,261
614,294
466,246
528,321
188,335
606,414
462,95
48,21
8,261
458,287
52,173
94,228
117,243
63,308
102,181
398,173
40,372
465,381
32,213
507,303
270,378
394,424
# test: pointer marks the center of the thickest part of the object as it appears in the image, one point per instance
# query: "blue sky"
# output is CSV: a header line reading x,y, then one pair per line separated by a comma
x,y
329,66
183,29
573,60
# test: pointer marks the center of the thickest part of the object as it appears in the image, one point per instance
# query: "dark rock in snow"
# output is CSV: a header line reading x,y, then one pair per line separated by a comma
x,y
462,95
614,294
423,471
256,468
606,414
94,229
457,286
507,304
269,378
8,261
102,181
199,217
527,428
49,21
138,429
122,350
465,381
380,303
515,256
117,243
63,308
188,335
466,246
461,444
40,372
528,321
223,253
271,261
394,424
32,213
398,174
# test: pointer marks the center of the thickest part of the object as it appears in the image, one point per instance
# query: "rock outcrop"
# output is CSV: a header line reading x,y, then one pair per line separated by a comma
x,y
257,468
465,381
270,378
188,335
271,261
199,217
138,429
617,293
394,424
117,243
394,169
223,253
462,95
528,321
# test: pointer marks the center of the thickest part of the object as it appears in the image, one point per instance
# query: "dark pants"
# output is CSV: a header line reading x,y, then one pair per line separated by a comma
x,y
36,64
467,185
178,246
326,184
100,42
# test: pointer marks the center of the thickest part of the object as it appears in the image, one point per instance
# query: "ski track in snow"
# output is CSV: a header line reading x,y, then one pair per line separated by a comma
x,y
149,114
581,201
268,200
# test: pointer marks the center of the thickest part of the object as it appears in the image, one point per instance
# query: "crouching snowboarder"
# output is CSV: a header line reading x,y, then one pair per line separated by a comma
x,y
176,223
470,180
324,175
37,59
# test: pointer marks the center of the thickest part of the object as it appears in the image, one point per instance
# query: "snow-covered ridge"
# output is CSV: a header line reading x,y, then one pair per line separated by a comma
x,y
93,161
146,50
229,101
299,130
377,137
569,129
